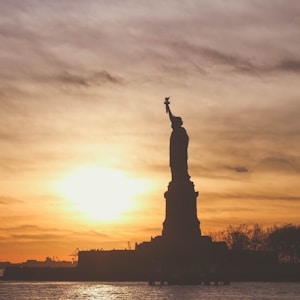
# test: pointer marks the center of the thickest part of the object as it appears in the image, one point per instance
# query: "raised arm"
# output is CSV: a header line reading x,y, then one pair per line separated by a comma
x,y
168,110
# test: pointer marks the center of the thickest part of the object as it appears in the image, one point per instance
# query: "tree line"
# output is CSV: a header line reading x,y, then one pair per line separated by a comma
x,y
284,240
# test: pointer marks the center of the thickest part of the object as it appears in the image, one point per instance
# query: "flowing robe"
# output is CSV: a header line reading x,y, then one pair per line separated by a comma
x,y
179,141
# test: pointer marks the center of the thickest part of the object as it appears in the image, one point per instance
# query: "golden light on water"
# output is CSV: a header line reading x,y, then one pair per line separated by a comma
x,y
101,194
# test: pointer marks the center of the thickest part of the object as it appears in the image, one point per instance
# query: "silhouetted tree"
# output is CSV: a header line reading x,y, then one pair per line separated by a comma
x,y
236,238
286,242
239,237
258,238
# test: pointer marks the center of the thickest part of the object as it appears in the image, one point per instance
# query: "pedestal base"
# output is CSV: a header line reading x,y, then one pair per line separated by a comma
x,y
181,220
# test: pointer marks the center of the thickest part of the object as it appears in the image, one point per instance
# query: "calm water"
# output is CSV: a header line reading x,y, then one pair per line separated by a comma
x,y
137,290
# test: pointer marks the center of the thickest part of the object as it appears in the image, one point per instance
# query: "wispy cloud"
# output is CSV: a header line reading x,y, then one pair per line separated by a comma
x,y
239,169
288,65
95,78
4,200
31,233
234,60
250,197
280,164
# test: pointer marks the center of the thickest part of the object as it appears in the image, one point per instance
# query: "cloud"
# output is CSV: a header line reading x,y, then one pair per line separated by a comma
x,y
239,169
232,60
226,209
93,233
280,164
287,66
216,170
250,196
4,200
244,65
32,233
95,78
205,59
60,39
16,164
67,78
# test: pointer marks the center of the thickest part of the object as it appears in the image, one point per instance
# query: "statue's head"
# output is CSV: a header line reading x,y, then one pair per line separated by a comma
x,y
177,122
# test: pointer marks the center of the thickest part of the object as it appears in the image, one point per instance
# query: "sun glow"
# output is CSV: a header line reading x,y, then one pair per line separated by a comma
x,y
101,194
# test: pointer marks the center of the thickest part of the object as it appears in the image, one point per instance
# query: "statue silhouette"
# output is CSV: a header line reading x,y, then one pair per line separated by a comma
x,y
179,141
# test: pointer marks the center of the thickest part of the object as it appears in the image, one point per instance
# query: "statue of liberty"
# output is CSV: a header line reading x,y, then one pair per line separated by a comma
x,y
179,141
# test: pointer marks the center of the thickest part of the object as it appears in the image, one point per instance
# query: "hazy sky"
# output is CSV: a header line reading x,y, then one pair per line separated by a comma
x,y
82,85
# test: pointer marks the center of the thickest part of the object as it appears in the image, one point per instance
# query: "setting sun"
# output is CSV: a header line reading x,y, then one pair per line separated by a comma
x,y
101,194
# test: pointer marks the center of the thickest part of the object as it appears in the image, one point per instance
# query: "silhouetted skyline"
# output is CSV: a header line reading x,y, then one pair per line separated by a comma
x,y
81,94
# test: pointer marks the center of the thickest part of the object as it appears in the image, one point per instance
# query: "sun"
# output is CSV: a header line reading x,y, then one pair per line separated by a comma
x,y
101,193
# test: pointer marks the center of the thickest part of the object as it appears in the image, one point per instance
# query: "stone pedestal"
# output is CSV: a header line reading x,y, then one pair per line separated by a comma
x,y
181,222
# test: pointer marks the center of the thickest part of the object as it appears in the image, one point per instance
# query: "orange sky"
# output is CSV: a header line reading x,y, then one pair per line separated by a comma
x,y
81,93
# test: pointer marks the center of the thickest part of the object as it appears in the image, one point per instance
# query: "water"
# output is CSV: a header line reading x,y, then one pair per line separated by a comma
x,y
138,290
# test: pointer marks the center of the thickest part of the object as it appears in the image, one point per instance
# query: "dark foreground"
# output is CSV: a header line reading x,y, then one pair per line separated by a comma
x,y
166,262
276,273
